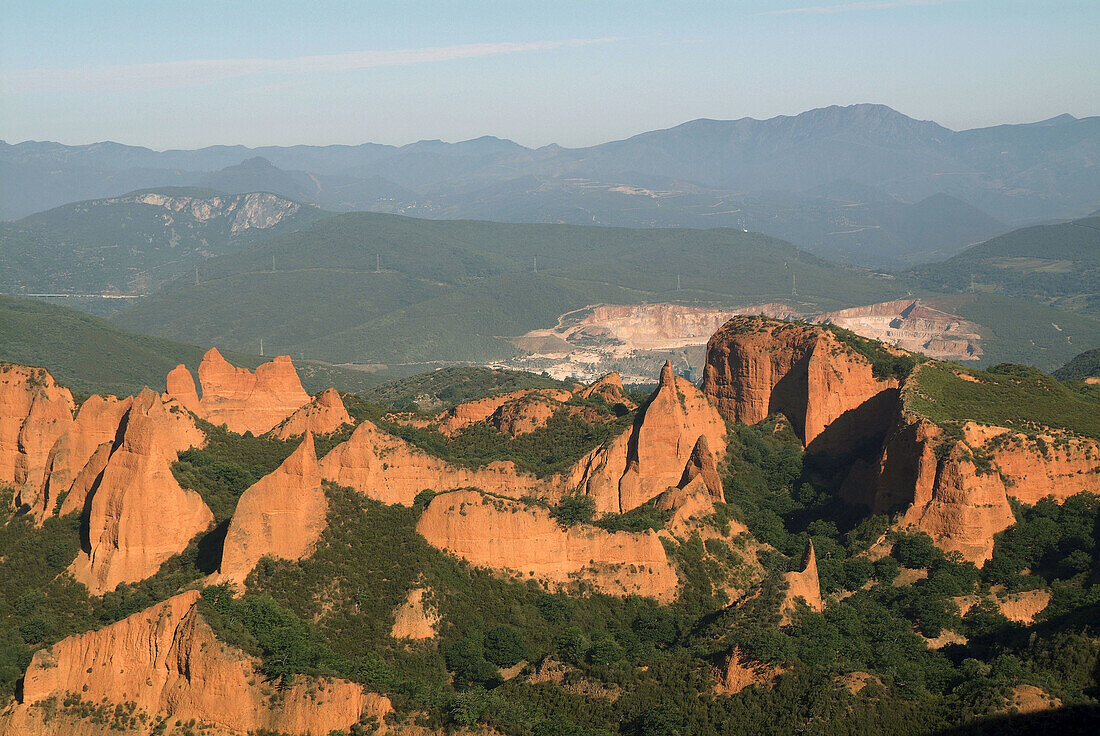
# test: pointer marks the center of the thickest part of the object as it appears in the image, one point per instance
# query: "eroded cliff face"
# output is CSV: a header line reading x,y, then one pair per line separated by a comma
x,y
168,663
282,515
325,414
238,398
97,423
957,490
389,469
803,585
34,412
912,326
508,536
758,366
138,515
655,453
255,210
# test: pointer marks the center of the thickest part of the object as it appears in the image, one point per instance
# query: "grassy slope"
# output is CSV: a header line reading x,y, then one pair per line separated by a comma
x,y
453,290
1007,396
89,354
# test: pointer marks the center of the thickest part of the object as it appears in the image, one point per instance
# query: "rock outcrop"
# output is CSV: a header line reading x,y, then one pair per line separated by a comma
x,y
508,536
238,398
97,423
415,618
389,469
138,515
168,663
912,326
739,672
325,414
282,515
653,455
34,412
941,487
610,389
803,585
757,366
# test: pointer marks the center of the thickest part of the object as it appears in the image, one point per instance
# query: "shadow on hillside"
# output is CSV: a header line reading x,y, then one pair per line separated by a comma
x,y
1078,720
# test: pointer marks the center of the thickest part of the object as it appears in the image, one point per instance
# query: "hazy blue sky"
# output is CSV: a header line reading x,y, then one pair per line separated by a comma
x,y
194,73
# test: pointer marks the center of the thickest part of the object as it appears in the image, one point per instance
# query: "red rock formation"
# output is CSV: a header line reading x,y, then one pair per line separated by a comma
x,y
610,388
180,385
167,661
803,585
524,415
138,515
325,414
34,412
739,672
97,423
653,455
1053,464
238,398
703,466
507,536
414,618
391,470
962,509
282,515
946,496
756,367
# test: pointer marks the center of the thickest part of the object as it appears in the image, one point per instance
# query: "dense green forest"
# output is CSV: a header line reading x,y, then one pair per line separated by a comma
x,y
625,665
1084,365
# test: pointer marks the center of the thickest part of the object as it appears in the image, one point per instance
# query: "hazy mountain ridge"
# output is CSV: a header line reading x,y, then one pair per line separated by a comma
x,y
703,173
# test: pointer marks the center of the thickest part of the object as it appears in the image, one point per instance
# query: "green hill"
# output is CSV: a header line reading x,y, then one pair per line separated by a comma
x,y
89,354
1085,365
1007,395
374,288
134,243
1055,264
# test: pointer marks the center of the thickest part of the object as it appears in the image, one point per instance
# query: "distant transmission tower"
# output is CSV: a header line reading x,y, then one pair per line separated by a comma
x,y
378,263
261,346
535,264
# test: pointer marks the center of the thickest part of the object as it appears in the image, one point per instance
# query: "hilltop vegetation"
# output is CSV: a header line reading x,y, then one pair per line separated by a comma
x,y
446,387
1006,395
1085,365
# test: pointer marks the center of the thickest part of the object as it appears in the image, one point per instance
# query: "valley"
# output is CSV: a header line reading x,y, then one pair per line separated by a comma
x,y
508,526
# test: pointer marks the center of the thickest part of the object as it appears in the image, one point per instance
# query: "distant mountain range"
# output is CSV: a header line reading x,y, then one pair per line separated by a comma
x,y
863,184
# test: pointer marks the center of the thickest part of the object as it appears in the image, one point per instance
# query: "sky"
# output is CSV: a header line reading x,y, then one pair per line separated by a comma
x,y
275,72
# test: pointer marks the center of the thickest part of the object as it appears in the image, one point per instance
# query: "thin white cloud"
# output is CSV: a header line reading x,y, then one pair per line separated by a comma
x,y
863,5
197,72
